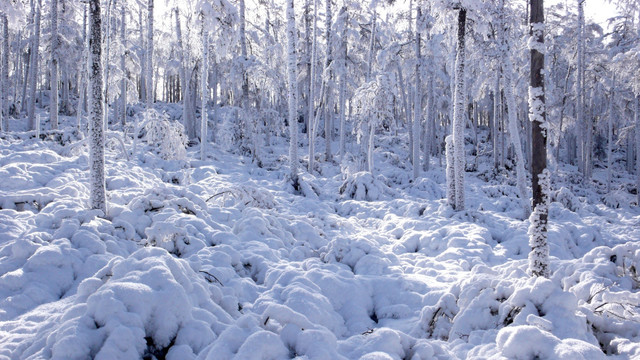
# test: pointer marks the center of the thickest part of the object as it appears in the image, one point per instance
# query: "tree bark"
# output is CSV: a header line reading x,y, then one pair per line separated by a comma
x,y
459,114
292,65
417,101
539,255
96,145
33,72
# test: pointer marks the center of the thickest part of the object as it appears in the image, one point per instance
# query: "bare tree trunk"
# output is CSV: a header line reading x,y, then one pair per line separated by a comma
x,y
459,114
312,92
204,92
343,80
610,134
53,107
33,73
292,64
96,145
580,123
4,76
150,86
328,123
540,177
417,101
123,82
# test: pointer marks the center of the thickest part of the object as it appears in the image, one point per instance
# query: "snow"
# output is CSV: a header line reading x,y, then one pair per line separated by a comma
x,y
221,259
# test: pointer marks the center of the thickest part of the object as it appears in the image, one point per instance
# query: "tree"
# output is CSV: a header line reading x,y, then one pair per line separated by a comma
x,y
53,108
417,104
459,101
96,138
204,91
4,74
540,176
292,64
150,85
33,71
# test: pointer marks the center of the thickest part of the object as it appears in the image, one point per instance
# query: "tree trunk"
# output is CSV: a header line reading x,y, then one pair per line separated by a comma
x,y
312,95
150,86
580,123
33,73
343,80
123,82
417,101
204,92
4,76
513,120
540,177
96,144
328,125
292,64
610,135
184,83
459,115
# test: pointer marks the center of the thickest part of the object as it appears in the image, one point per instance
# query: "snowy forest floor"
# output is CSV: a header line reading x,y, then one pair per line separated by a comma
x,y
220,259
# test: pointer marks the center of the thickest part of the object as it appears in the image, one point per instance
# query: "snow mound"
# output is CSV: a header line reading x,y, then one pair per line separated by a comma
x,y
363,186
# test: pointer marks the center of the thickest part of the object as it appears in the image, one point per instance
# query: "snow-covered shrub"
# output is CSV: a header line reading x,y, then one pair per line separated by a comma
x,y
167,137
363,186
244,195
616,199
565,197
436,321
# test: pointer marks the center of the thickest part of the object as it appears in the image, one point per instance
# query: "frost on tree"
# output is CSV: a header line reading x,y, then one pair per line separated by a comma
x,y
53,108
292,63
96,136
539,256
33,67
459,115
373,103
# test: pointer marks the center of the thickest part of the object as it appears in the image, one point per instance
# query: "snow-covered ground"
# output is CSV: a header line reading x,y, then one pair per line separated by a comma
x,y
221,259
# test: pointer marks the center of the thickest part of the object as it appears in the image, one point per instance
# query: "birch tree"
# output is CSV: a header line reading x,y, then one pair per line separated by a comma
x,y
97,194
204,91
292,64
459,101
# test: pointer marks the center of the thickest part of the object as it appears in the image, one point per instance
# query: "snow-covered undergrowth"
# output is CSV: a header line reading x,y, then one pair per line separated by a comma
x,y
219,259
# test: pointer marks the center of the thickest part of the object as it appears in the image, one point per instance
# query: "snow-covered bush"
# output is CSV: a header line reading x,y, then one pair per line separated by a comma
x,y
565,197
363,186
167,137
244,195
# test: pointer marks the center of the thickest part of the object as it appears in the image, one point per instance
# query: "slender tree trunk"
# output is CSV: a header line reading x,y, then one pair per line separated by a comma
x,y
96,145
372,46
430,132
496,119
184,83
33,73
83,73
53,107
540,176
636,108
459,114
205,91
610,135
142,91
150,85
580,122
513,120
123,82
4,76
343,80
312,95
292,65
417,101
308,47
328,125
